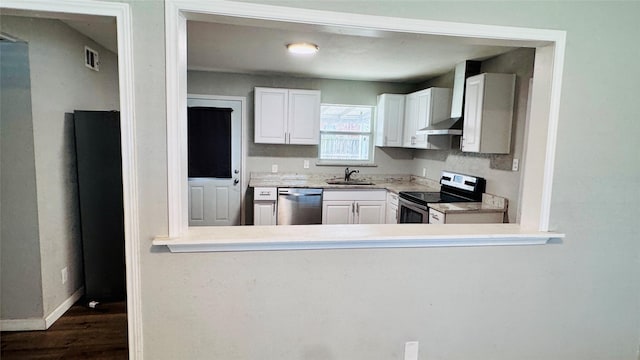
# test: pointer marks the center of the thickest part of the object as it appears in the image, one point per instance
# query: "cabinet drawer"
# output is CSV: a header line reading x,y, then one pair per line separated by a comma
x,y
265,193
355,195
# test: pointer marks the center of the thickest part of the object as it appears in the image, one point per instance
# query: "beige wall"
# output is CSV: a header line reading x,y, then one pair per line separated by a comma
x,y
289,158
495,168
578,299
60,83
20,242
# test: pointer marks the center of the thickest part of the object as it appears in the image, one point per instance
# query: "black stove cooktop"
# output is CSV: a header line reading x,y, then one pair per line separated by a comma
x,y
424,198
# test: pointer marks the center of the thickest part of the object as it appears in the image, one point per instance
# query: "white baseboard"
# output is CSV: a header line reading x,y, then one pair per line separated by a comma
x,y
22,324
62,308
38,323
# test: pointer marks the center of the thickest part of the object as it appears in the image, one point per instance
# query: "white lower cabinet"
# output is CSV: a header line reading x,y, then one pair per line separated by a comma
x,y
353,206
265,206
437,217
392,208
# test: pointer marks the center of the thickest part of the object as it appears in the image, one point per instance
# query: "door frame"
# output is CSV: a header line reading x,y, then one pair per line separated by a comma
x,y
244,144
541,132
72,9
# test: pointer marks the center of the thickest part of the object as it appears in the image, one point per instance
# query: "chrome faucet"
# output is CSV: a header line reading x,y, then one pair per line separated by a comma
x,y
347,174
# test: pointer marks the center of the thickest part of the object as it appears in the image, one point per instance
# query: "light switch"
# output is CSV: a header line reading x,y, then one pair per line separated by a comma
x,y
274,168
306,164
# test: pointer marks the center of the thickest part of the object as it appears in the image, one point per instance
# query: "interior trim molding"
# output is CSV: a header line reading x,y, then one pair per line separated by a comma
x,y
300,237
62,9
540,141
42,323
32,324
62,308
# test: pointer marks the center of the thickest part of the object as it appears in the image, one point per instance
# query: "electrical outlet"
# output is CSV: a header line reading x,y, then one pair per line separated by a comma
x,y
274,168
64,274
424,172
514,165
411,350
306,164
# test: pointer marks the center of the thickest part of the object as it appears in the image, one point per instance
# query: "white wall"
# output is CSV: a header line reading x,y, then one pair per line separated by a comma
x,y
60,83
575,300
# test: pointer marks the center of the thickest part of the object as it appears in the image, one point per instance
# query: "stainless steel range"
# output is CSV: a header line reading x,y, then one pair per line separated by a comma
x,y
413,206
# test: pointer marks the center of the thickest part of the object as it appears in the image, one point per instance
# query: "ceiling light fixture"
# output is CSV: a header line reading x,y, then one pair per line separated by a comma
x,y
302,48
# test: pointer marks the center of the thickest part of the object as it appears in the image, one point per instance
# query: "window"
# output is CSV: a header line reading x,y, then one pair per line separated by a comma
x,y
346,133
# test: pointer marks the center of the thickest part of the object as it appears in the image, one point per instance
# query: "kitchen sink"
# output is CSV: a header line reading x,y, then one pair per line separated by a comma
x,y
348,182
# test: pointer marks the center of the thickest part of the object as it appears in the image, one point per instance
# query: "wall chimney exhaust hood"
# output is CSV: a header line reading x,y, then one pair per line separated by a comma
x,y
453,125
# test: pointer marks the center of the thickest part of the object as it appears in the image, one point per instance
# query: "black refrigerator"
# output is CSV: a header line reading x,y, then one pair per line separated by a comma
x,y
99,166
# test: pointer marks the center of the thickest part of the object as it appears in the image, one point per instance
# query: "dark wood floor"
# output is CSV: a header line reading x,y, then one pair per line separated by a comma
x,y
81,333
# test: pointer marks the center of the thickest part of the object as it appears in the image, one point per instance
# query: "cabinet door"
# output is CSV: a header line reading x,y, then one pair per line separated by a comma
x,y
337,212
473,114
370,212
304,117
392,214
390,120
423,117
410,121
264,213
270,115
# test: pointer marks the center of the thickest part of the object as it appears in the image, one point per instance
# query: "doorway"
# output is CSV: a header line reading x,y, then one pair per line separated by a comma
x,y
215,127
55,265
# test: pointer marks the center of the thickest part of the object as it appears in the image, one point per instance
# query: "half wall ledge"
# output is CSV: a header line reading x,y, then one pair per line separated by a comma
x,y
316,237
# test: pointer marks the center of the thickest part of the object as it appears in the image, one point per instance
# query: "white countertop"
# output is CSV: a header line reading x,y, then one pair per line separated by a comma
x,y
393,183
478,207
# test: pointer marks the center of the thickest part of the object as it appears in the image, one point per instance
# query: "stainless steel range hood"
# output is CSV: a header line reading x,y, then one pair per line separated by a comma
x,y
453,125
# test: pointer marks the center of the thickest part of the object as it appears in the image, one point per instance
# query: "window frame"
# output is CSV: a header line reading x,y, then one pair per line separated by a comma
x,y
346,162
540,134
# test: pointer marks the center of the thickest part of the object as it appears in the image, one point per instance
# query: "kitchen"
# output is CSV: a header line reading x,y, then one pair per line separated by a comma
x,y
282,160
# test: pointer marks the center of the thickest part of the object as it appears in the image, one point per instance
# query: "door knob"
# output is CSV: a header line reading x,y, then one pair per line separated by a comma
x,y
236,171
235,181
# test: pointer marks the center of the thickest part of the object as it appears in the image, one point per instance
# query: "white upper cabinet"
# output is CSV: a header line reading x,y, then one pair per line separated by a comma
x,y
423,108
287,116
390,120
488,113
304,117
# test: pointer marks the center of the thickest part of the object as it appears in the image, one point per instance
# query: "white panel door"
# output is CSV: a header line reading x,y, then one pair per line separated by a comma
x,y
304,117
390,120
423,116
473,114
271,112
410,121
337,212
215,201
370,212
264,213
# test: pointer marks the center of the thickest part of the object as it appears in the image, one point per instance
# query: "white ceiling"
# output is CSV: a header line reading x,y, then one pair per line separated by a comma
x,y
104,33
344,53
101,29
227,44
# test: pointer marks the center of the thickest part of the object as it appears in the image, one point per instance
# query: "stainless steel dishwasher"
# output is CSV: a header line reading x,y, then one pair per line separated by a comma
x,y
299,206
